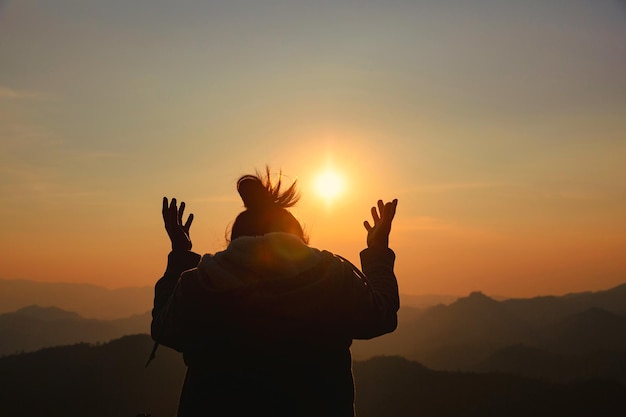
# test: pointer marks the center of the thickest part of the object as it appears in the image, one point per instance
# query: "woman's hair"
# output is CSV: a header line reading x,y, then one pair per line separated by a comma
x,y
266,207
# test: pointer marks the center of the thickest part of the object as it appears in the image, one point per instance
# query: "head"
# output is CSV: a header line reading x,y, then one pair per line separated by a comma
x,y
266,207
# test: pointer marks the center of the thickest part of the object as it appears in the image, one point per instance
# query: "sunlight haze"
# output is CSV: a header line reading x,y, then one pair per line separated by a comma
x,y
329,185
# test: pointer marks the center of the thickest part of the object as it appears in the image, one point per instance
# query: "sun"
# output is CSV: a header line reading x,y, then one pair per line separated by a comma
x,y
329,185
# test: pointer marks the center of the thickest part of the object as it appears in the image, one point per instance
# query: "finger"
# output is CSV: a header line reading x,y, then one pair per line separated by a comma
x,y
375,215
367,226
181,210
390,210
172,212
394,206
164,209
188,222
381,207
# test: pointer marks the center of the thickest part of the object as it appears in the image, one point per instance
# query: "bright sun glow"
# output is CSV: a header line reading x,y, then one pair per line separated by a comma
x,y
329,185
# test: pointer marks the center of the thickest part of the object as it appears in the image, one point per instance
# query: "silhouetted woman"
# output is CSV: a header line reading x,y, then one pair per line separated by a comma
x,y
265,326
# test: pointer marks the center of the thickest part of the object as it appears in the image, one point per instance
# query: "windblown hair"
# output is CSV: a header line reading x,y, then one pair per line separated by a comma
x,y
266,207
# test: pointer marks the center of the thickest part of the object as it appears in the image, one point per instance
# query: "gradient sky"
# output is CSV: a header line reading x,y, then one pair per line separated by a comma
x,y
499,125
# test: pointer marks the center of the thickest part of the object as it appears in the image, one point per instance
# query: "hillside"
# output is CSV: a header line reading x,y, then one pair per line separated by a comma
x,y
584,334
467,332
34,327
110,380
540,363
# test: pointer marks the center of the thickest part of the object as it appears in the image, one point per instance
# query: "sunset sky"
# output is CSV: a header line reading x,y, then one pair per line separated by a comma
x,y
500,126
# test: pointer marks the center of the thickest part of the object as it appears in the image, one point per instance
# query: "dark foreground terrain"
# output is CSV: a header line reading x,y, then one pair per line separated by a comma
x,y
110,380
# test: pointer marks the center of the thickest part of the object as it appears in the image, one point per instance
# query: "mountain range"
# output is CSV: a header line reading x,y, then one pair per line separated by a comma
x,y
111,380
562,338
85,299
477,332
34,327
97,302
34,315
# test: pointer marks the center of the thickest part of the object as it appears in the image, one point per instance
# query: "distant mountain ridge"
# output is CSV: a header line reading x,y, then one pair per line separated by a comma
x,y
97,302
34,327
85,299
551,309
473,333
466,333
47,313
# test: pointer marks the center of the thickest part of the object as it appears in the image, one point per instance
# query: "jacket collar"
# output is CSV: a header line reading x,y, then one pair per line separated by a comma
x,y
272,256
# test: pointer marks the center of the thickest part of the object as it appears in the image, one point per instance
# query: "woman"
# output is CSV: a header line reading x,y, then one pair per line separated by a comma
x,y
265,326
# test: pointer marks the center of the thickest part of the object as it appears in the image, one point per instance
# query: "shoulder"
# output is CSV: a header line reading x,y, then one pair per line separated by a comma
x,y
338,266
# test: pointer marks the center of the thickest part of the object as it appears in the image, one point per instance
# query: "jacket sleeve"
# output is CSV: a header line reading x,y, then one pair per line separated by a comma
x,y
165,328
374,301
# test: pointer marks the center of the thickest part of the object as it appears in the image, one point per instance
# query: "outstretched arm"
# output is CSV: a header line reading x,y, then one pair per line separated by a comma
x,y
375,301
180,259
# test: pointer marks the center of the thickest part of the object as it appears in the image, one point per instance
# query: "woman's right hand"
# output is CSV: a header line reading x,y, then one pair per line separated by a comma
x,y
176,230
378,234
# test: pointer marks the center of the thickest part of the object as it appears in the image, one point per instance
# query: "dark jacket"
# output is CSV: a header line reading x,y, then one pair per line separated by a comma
x,y
265,326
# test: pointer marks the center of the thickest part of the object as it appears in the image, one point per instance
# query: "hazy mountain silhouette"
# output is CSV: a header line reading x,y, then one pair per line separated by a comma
x,y
110,380
85,299
593,329
451,337
45,313
35,327
101,303
426,300
562,338
466,332
547,310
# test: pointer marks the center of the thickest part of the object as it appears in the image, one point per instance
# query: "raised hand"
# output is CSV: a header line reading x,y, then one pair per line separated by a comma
x,y
378,234
176,230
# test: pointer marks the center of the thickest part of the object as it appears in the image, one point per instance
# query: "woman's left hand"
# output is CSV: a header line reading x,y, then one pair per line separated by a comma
x,y
176,230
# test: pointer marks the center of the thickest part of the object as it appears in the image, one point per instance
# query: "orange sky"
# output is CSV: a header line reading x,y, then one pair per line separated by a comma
x,y
501,129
